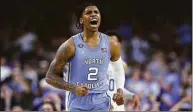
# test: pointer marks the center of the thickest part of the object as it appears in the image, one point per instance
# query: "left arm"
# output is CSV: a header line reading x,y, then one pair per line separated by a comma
x,y
117,66
118,69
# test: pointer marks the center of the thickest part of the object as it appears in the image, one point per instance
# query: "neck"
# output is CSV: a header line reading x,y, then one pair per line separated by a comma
x,y
90,34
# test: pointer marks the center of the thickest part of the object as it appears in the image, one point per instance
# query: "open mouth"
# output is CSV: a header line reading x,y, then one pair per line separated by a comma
x,y
93,22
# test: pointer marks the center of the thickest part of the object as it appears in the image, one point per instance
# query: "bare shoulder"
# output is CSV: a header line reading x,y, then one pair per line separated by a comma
x,y
66,50
69,44
113,43
115,50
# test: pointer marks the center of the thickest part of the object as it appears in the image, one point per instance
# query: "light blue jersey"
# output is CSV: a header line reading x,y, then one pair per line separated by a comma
x,y
89,68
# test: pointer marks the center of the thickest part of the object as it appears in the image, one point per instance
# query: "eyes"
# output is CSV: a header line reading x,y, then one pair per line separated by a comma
x,y
90,12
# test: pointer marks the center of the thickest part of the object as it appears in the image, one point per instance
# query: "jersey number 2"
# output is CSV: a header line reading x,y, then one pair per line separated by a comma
x,y
93,71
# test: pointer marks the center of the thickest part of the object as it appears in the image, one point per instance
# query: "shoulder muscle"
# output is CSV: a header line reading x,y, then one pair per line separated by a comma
x,y
66,51
115,50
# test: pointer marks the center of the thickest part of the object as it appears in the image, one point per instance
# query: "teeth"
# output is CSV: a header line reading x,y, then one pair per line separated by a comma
x,y
93,19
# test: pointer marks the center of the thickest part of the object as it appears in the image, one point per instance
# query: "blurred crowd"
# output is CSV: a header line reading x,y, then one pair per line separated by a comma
x,y
159,64
159,70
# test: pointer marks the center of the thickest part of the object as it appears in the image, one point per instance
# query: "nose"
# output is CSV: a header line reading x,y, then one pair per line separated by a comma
x,y
93,13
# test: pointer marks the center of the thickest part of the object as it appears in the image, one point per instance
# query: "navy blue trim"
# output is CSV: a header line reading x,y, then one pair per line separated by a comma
x,y
92,49
109,100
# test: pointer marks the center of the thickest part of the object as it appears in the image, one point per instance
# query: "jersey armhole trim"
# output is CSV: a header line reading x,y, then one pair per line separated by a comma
x,y
109,46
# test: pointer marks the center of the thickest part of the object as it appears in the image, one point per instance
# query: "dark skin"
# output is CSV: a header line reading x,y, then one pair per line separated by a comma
x,y
66,52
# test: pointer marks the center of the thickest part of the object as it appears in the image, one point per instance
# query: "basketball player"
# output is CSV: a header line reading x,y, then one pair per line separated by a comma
x,y
112,87
88,54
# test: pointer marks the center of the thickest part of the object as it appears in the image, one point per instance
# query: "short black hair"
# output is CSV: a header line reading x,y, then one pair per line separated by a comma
x,y
114,33
79,12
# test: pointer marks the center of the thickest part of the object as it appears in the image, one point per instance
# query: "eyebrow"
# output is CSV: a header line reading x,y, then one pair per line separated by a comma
x,y
86,10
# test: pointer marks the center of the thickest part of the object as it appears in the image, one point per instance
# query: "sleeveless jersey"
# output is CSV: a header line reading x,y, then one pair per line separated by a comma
x,y
89,65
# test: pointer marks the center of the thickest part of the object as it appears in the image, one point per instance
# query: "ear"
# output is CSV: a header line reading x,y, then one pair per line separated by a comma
x,y
81,21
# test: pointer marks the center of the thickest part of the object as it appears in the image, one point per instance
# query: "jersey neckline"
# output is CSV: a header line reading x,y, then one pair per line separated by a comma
x,y
95,48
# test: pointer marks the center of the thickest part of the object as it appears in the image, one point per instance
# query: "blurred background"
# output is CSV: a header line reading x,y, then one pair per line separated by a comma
x,y
157,46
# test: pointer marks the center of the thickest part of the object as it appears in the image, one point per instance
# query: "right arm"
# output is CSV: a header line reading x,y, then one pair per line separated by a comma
x,y
53,77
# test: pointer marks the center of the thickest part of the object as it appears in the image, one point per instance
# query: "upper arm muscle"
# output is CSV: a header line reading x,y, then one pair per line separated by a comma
x,y
63,55
115,50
